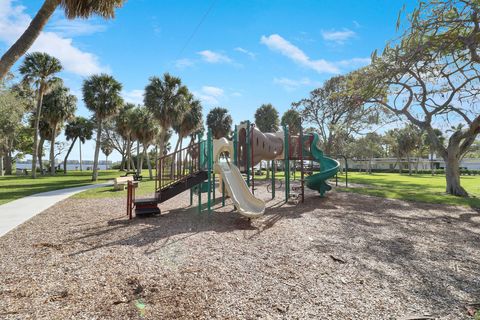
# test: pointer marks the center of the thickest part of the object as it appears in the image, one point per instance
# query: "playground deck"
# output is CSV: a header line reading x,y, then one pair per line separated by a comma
x,y
346,256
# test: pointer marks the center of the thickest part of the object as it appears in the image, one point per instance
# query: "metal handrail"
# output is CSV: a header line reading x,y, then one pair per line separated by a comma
x,y
178,166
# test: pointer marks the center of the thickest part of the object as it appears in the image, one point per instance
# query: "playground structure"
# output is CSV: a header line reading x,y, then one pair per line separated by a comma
x,y
197,167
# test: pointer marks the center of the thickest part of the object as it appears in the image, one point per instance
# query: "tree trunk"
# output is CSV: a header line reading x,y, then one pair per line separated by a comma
x,y
97,150
28,37
37,123
122,163
40,154
106,162
80,147
452,175
8,163
139,163
149,164
1,165
68,153
409,165
129,153
52,150
132,163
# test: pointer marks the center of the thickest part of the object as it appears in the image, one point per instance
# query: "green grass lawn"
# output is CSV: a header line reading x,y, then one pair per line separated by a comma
x,y
422,187
15,187
145,187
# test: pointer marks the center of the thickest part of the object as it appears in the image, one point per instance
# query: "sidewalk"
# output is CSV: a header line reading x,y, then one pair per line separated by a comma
x,y
18,211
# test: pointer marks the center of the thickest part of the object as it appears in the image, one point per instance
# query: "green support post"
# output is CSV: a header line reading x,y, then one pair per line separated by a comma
x,y
201,164
209,169
235,146
287,163
273,179
223,194
247,146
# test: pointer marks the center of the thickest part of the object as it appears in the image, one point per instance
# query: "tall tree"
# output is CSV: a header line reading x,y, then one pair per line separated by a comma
x,y
78,129
12,109
220,122
101,94
266,118
291,119
144,130
107,150
39,69
336,114
165,99
122,122
72,8
58,106
192,120
431,76
408,139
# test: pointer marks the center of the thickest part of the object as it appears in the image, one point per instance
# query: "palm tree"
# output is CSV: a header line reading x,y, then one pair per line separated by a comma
x,y
123,127
39,69
291,118
144,130
58,106
266,118
101,94
220,122
107,150
165,99
73,9
192,120
78,129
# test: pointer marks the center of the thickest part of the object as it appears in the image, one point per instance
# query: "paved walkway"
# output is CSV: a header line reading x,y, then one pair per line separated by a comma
x,y
18,211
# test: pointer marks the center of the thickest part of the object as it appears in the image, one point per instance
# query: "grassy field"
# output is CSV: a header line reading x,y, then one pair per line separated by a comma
x,y
422,188
15,187
145,187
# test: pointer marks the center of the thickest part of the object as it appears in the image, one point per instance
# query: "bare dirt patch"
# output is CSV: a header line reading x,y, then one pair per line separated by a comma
x,y
346,256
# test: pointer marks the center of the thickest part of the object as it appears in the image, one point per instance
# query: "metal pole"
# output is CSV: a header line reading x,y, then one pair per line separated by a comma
x,y
286,162
253,168
209,170
235,146
302,172
247,146
223,194
273,179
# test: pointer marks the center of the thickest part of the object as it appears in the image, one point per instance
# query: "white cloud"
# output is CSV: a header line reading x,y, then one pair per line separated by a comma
x,y
184,63
72,28
291,84
214,57
245,51
276,43
338,36
212,91
14,21
133,96
209,94
279,44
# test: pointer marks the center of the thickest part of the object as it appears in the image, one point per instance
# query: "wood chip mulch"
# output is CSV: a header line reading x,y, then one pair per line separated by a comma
x,y
346,256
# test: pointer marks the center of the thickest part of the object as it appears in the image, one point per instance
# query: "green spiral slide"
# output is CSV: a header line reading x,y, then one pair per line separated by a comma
x,y
328,169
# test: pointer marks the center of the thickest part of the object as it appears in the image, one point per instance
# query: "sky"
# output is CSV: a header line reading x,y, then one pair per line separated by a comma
x,y
236,54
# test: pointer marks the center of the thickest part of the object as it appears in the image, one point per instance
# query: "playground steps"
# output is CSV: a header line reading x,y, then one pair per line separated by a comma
x,y
181,185
146,207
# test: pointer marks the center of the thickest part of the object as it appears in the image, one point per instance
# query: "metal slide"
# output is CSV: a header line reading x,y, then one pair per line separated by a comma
x,y
236,187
